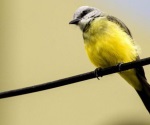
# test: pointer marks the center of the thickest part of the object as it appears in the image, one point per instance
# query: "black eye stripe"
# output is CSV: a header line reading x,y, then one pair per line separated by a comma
x,y
84,13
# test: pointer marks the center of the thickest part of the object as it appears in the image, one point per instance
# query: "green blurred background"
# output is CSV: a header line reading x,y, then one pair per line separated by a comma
x,y
38,45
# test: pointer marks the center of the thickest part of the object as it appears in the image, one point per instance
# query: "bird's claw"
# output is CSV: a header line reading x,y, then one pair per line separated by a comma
x,y
119,66
96,72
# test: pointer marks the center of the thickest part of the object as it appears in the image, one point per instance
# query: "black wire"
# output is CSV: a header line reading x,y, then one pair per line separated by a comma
x,y
74,79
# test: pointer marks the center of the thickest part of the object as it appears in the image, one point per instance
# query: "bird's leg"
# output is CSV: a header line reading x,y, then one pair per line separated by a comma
x,y
119,66
96,72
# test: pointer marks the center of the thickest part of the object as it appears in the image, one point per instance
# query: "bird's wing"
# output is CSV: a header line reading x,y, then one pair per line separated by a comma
x,y
145,92
139,69
120,23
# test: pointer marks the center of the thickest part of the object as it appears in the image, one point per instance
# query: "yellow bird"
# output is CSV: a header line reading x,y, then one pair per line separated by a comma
x,y
108,42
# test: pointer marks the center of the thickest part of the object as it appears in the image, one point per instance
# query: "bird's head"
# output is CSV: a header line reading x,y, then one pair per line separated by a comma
x,y
84,15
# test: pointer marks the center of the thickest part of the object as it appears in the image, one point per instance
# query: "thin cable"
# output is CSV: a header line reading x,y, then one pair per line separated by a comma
x,y
73,79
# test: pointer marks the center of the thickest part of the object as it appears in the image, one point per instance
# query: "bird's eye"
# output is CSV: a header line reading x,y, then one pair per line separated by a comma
x,y
84,13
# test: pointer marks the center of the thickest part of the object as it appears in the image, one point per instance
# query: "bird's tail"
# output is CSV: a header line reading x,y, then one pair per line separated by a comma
x,y
145,92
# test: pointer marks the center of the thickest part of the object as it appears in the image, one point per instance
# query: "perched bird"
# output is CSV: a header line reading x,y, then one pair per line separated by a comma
x,y
109,42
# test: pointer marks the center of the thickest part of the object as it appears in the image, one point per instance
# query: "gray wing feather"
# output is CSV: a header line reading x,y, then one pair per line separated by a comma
x,y
139,69
120,23
145,92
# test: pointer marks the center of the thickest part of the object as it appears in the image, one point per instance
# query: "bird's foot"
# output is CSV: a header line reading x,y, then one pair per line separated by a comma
x,y
96,72
119,66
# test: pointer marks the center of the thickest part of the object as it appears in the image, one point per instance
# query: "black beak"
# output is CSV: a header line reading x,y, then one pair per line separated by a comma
x,y
74,21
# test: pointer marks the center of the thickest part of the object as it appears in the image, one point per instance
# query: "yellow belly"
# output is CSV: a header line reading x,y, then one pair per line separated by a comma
x,y
107,44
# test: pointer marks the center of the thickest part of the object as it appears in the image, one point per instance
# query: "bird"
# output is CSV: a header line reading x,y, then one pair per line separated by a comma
x,y
109,42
